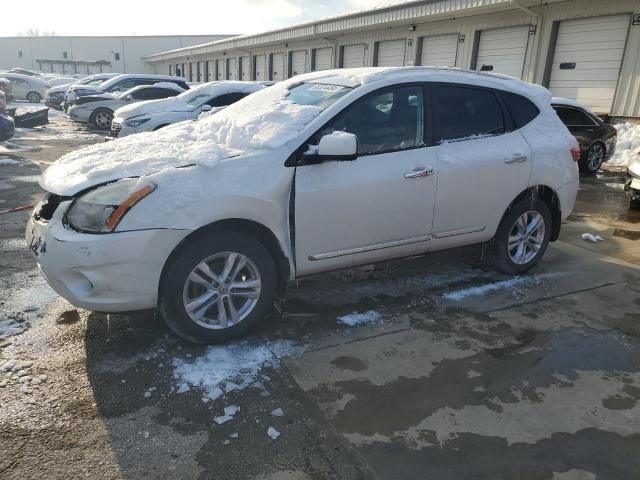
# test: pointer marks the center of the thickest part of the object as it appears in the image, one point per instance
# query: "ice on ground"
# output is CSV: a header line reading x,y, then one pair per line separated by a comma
x,y
239,363
356,319
590,237
229,413
501,285
628,145
9,328
277,413
273,433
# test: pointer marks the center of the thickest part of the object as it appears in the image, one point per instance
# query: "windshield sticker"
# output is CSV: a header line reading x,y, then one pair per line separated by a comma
x,y
317,87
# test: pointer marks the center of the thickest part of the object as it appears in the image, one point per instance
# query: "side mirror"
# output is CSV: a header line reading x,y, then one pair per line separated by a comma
x,y
206,108
338,146
128,98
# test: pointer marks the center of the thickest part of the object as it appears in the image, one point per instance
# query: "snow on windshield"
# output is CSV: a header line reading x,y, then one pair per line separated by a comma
x,y
265,120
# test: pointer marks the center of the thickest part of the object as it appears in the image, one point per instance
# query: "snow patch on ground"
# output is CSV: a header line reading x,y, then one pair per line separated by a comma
x,y
230,367
501,285
356,319
628,145
8,161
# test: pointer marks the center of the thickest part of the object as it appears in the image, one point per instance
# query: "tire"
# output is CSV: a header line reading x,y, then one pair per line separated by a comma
x,y
593,159
102,118
184,279
512,260
34,97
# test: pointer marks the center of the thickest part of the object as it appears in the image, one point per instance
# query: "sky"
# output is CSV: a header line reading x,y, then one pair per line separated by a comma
x,y
144,17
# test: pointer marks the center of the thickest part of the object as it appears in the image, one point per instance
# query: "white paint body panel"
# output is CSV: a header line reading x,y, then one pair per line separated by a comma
x,y
505,49
596,46
353,56
440,50
391,53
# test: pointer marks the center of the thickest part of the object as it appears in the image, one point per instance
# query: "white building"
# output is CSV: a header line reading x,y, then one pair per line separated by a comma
x,y
588,50
85,55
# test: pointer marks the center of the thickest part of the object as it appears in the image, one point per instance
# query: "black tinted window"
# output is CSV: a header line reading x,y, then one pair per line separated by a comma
x,y
462,112
573,117
384,122
522,110
226,99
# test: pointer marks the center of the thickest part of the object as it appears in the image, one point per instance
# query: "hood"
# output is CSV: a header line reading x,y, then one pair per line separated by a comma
x,y
262,121
85,88
172,104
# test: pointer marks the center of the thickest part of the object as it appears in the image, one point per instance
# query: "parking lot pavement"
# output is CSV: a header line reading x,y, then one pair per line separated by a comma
x,y
431,367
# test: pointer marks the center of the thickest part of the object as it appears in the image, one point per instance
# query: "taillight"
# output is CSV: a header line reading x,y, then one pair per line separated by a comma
x,y
575,153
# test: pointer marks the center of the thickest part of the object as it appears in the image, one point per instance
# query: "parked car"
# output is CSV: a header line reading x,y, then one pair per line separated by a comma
x,y
119,84
149,116
97,110
632,185
24,71
597,139
59,81
55,97
24,87
207,221
7,127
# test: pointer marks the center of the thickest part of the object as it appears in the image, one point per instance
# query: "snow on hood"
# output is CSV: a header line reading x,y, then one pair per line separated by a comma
x,y
180,102
265,120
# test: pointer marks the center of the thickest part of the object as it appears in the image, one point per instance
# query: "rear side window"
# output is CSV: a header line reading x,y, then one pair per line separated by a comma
x,y
227,99
573,117
462,113
522,110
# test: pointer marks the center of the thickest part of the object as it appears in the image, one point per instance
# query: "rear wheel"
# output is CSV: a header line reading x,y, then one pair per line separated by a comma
x,y
102,118
522,237
34,97
218,287
593,159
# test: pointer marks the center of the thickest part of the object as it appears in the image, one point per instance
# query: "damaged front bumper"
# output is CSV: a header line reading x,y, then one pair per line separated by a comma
x,y
114,272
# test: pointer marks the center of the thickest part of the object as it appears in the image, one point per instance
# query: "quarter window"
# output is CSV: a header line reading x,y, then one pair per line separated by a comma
x,y
521,109
572,117
384,122
463,113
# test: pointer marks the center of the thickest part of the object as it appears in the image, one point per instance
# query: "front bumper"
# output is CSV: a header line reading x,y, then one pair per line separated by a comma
x,y
81,115
113,272
119,129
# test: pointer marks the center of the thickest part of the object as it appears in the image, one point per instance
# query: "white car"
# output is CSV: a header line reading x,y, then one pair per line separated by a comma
x,y
207,221
119,84
25,87
98,109
149,116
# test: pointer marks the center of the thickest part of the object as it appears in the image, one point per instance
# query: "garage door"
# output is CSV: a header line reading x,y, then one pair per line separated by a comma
x,y
322,60
232,73
245,68
260,67
277,67
503,50
391,53
298,63
587,60
353,56
219,69
439,50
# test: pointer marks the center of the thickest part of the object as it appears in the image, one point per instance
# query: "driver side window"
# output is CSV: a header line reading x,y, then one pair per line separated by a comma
x,y
385,121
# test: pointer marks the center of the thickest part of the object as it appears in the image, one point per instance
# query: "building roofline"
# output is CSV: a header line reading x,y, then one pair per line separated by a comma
x,y
49,37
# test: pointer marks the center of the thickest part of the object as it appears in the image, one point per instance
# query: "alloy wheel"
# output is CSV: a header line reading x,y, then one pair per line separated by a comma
x,y
103,120
595,157
33,97
222,290
526,237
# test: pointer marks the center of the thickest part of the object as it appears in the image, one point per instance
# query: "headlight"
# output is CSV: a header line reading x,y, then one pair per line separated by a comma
x,y
137,122
100,210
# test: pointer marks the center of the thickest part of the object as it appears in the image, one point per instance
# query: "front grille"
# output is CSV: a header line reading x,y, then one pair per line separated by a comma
x,y
115,129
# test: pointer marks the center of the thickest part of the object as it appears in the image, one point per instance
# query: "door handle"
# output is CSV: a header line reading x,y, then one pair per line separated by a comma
x,y
419,172
517,158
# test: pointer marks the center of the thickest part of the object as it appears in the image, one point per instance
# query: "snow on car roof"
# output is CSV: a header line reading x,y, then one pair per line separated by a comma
x,y
168,85
125,76
26,78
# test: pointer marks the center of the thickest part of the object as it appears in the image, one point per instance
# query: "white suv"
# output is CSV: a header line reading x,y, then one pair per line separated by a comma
x,y
208,221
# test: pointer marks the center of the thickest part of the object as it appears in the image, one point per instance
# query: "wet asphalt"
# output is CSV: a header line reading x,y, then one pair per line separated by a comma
x,y
466,374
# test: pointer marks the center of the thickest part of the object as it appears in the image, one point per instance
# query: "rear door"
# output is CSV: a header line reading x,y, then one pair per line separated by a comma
x,y
375,207
482,166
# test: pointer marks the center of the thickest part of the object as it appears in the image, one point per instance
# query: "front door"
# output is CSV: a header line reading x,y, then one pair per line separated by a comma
x,y
378,206
483,167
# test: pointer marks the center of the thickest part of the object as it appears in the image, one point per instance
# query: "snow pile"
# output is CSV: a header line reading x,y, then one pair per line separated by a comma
x,y
590,237
230,367
356,319
265,120
628,145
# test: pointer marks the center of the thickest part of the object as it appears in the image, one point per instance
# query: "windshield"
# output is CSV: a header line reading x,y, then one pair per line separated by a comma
x,y
317,94
197,95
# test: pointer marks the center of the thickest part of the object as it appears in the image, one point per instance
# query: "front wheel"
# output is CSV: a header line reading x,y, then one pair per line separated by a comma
x,y
522,237
593,159
218,287
34,97
102,118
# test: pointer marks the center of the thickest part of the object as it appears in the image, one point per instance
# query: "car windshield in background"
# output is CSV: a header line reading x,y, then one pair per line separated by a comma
x,y
317,94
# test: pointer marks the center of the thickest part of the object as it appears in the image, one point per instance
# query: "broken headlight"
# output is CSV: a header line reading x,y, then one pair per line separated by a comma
x,y
100,210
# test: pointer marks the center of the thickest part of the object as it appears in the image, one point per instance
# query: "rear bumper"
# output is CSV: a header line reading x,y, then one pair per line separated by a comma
x,y
567,195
